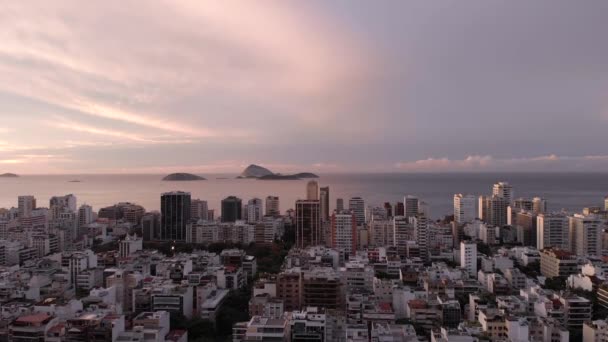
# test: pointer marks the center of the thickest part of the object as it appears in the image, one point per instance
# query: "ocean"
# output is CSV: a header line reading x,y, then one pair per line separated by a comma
x,y
570,191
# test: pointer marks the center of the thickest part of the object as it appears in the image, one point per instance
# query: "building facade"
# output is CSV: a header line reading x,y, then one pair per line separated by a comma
x,y
175,215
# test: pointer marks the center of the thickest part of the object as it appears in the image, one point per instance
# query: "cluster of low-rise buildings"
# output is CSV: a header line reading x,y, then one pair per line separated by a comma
x,y
70,296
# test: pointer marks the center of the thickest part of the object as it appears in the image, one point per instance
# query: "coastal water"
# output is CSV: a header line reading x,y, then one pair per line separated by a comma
x,y
570,191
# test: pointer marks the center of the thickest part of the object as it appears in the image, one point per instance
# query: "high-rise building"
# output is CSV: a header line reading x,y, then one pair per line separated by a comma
x,y
457,233
245,213
525,223
324,200
523,204
254,210
231,209
493,210
487,234
85,215
586,235
552,231
339,204
536,205
504,190
539,205
421,234
175,215
389,209
357,206
483,208
468,257
312,190
150,226
402,233
464,208
308,223
399,209
411,206
272,206
131,212
25,205
199,210
381,233
424,208
555,262
344,232
375,212
606,203
59,204
498,211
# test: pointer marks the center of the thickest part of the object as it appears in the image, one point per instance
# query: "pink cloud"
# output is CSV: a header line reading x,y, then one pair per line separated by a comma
x,y
476,163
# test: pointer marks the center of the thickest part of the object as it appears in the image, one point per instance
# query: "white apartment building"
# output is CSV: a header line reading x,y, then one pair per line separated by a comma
x,y
199,210
85,215
381,233
552,230
464,208
468,257
344,232
254,210
504,190
586,234
25,205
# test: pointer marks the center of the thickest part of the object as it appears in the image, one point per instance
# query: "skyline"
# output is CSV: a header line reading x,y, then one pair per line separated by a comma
x,y
315,86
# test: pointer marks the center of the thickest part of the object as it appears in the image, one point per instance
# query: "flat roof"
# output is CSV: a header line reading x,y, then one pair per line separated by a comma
x,y
35,318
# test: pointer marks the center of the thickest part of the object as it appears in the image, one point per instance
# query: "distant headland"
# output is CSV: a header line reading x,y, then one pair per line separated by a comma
x,y
183,177
9,175
262,173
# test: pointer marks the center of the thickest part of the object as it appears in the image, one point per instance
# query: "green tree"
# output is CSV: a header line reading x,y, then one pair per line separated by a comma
x,y
484,248
234,309
555,283
531,270
198,329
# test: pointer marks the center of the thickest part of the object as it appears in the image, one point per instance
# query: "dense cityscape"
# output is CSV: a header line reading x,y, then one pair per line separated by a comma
x,y
303,171
499,268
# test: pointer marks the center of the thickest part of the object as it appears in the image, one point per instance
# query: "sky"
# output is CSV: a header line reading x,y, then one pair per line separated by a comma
x,y
324,86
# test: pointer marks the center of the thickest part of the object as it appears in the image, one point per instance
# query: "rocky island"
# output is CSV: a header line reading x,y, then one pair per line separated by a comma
x,y
9,175
262,173
183,177
255,171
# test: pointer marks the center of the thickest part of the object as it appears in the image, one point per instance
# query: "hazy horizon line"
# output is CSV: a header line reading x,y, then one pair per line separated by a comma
x,y
317,173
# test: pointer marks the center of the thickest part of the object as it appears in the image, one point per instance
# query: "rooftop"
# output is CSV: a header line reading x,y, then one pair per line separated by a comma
x,y
33,319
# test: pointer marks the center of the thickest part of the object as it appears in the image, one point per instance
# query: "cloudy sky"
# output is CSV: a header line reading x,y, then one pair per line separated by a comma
x,y
211,86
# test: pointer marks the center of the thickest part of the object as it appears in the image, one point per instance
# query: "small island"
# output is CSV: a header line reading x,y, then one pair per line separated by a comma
x,y
261,173
306,175
255,171
183,177
9,175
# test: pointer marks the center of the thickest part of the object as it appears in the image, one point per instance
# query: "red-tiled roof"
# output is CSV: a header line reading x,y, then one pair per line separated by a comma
x,y
35,318
385,306
417,304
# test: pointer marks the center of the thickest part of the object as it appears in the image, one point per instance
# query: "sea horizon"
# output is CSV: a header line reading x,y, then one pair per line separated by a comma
x,y
315,172
563,190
